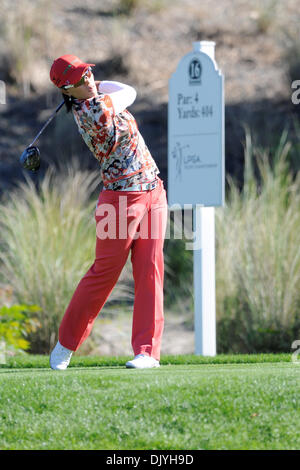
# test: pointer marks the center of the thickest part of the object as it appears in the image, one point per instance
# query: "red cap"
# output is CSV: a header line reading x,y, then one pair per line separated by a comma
x,y
67,70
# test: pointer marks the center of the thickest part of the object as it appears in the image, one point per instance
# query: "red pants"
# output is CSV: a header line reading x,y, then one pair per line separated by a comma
x,y
126,220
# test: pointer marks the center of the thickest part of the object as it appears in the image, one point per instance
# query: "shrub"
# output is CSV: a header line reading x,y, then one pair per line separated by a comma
x,y
16,323
48,241
258,256
178,279
178,272
127,7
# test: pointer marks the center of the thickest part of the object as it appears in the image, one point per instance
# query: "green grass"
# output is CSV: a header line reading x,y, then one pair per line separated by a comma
x,y
190,402
39,361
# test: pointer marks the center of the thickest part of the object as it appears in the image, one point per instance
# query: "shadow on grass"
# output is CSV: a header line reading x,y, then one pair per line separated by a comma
x,y
4,370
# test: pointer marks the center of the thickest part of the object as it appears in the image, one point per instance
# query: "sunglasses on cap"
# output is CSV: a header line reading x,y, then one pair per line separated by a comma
x,y
81,81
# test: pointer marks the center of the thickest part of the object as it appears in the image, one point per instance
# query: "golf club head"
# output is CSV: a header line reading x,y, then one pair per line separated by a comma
x,y
30,159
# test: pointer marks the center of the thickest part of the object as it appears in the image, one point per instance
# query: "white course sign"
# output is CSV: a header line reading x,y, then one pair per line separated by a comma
x,y
196,172
196,131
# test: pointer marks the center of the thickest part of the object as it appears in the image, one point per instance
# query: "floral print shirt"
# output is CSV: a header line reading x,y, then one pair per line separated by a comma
x,y
116,143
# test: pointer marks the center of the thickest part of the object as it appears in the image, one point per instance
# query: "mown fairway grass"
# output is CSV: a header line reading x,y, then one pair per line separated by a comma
x,y
190,402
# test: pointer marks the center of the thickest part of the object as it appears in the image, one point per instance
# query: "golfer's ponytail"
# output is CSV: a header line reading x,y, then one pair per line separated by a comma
x,y
69,100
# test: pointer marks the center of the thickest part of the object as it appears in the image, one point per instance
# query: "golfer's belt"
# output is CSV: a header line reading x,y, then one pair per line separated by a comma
x,y
141,186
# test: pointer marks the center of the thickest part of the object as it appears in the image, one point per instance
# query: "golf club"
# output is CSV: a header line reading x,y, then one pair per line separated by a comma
x,y
30,158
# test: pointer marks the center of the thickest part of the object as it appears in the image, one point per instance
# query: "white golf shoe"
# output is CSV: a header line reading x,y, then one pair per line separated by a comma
x,y
141,361
60,357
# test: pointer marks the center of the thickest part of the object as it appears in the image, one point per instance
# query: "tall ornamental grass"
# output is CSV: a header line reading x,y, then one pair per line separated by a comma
x,y
47,244
258,255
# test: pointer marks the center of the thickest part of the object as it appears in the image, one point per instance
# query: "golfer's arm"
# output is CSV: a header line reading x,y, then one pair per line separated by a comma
x,y
121,95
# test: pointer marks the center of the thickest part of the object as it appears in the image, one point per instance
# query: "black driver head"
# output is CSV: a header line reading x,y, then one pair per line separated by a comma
x,y
30,159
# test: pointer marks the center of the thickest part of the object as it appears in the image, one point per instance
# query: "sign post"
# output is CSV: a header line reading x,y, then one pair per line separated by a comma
x,y
196,171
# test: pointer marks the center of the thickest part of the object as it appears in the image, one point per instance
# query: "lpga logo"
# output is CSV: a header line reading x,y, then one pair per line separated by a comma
x,y
2,92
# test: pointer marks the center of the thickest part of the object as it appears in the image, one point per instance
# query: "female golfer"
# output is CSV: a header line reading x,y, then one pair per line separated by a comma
x,y
131,215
